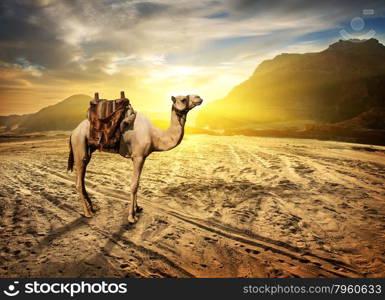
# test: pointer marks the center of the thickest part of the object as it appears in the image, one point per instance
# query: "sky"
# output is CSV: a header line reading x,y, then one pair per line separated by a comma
x,y
52,49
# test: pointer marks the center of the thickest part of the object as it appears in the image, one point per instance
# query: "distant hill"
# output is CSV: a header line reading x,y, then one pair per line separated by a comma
x,y
333,85
372,119
11,122
65,115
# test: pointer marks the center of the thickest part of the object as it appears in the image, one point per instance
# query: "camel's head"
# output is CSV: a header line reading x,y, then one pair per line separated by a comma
x,y
183,104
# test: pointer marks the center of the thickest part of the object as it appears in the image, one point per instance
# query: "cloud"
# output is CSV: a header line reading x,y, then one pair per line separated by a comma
x,y
149,9
52,49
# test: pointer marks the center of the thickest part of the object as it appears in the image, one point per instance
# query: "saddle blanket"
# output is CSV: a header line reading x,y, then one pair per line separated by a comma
x,y
108,119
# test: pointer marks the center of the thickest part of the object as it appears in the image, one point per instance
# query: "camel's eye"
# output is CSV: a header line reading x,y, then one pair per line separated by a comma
x,y
184,100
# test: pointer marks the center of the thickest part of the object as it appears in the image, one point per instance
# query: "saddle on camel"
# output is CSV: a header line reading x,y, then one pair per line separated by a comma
x,y
108,119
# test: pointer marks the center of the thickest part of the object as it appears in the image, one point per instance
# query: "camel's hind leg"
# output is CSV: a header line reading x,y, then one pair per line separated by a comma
x,y
82,157
81,188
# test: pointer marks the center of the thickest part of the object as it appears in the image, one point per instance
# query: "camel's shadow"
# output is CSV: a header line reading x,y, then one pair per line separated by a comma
x,y
96,265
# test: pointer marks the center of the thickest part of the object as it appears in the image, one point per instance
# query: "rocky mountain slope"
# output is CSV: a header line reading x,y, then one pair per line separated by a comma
x,y
330,86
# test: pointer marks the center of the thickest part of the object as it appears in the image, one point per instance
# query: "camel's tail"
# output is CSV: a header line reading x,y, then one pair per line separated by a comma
x,y
70,158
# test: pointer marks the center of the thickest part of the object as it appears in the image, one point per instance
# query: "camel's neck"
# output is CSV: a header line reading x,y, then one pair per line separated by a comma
x,y
170,138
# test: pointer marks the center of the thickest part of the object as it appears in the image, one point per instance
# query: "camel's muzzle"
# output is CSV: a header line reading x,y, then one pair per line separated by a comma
x,y
198,101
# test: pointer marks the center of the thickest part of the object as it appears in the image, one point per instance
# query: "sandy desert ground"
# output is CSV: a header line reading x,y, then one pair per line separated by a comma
x,y
213,207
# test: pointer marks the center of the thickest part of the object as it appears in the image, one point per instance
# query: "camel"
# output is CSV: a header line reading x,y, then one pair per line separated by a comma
x,y
137,143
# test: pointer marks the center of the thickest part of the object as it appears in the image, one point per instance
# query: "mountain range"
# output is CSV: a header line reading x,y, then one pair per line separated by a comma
x,y
330,86
342,86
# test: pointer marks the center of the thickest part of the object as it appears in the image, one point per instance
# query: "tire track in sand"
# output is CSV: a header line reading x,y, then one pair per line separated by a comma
x,y
332,266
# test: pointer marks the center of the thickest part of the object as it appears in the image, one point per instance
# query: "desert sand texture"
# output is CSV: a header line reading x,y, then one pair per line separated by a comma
x,y
215,206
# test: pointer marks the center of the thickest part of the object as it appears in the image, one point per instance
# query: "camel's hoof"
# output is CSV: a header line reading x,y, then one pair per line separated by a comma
x,y
132,220
88,214
139,209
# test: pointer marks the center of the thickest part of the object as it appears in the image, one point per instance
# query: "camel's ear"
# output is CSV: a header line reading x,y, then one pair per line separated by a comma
x,y
173,99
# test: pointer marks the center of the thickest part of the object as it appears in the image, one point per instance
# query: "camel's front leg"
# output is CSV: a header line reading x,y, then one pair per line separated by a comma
x,y
138,166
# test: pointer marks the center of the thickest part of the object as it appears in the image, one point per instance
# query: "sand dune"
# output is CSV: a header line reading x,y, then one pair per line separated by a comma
x,y
213,207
